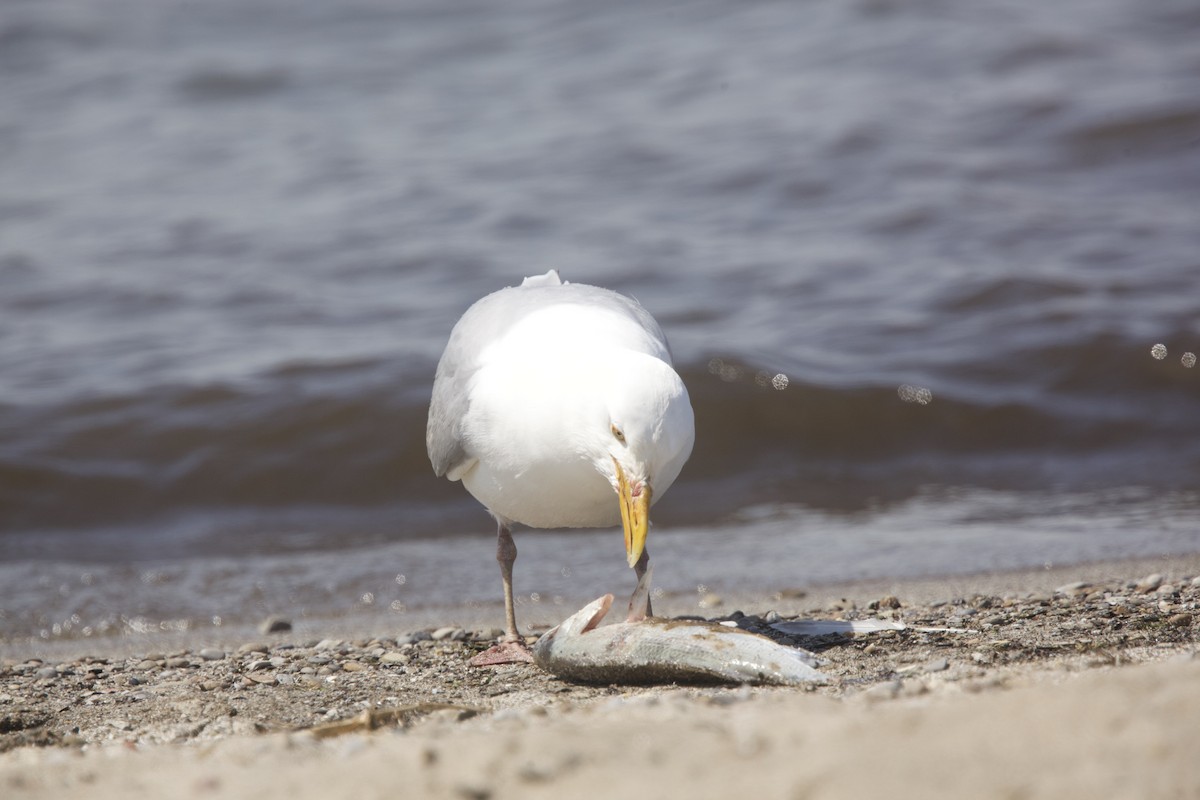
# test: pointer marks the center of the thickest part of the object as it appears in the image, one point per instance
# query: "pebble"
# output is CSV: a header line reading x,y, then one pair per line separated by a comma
x,y
1149,583
254,647
47,673
328,644
353,666
1180,620
450,634
319,659
212,654
488,635
771,617
937,665
414,637
1074,589
254,666
275,625
177,663
393,658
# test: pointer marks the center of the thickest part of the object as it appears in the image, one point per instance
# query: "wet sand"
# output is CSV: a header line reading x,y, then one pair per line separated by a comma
x,y
1074,682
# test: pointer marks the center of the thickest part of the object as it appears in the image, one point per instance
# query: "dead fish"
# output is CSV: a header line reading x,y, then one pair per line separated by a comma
x,y
654,650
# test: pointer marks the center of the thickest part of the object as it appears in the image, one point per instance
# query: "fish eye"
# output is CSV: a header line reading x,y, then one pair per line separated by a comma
x,y
618,433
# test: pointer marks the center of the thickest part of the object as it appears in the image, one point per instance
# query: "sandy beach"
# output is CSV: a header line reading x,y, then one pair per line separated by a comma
x,y
1071,682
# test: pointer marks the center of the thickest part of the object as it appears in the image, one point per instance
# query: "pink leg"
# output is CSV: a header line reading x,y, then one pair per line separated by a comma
x,y
512,648
506,554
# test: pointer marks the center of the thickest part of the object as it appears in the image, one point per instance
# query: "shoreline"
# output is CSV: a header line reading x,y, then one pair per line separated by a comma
x,y
1068,682
787,600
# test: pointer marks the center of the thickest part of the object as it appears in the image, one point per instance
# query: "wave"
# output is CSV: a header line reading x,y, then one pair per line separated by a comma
x,y
350,439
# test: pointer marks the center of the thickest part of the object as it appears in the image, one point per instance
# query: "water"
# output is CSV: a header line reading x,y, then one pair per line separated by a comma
x,y
912,257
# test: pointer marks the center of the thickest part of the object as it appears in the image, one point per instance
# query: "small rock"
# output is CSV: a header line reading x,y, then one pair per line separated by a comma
x,y
1196,581
46,673
259,677
212,654
328,644
284,679
1180,620
414,637
450,634
254,647
134,680
393,658
1149,583
937,665
771,617
177,663
1074,589
488,635
1166,589
254,666
275,625
319,660
353,666
890,601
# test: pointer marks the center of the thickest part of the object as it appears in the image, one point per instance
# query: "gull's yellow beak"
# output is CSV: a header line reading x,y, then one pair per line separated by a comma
x,y
635,514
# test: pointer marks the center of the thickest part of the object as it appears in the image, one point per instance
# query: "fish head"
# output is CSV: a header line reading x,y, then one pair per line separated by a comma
x,y
579,623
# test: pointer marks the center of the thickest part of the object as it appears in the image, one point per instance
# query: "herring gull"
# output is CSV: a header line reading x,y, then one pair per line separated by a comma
x,y
557,406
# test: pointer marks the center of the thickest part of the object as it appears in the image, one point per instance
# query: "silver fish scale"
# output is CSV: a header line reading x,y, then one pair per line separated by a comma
x,y
666,651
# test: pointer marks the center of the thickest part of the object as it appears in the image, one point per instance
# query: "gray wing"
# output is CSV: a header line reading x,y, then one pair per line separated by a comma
x,y
486,322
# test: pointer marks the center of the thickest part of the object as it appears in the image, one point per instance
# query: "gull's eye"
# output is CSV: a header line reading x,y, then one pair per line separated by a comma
x,y
618,433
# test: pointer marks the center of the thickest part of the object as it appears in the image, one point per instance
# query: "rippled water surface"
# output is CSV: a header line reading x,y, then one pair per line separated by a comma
x,y
914,260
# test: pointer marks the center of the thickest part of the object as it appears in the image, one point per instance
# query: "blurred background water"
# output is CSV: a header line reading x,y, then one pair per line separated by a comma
x,y
912,257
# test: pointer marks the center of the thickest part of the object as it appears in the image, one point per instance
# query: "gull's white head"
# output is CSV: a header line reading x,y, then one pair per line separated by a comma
x,y
648,437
